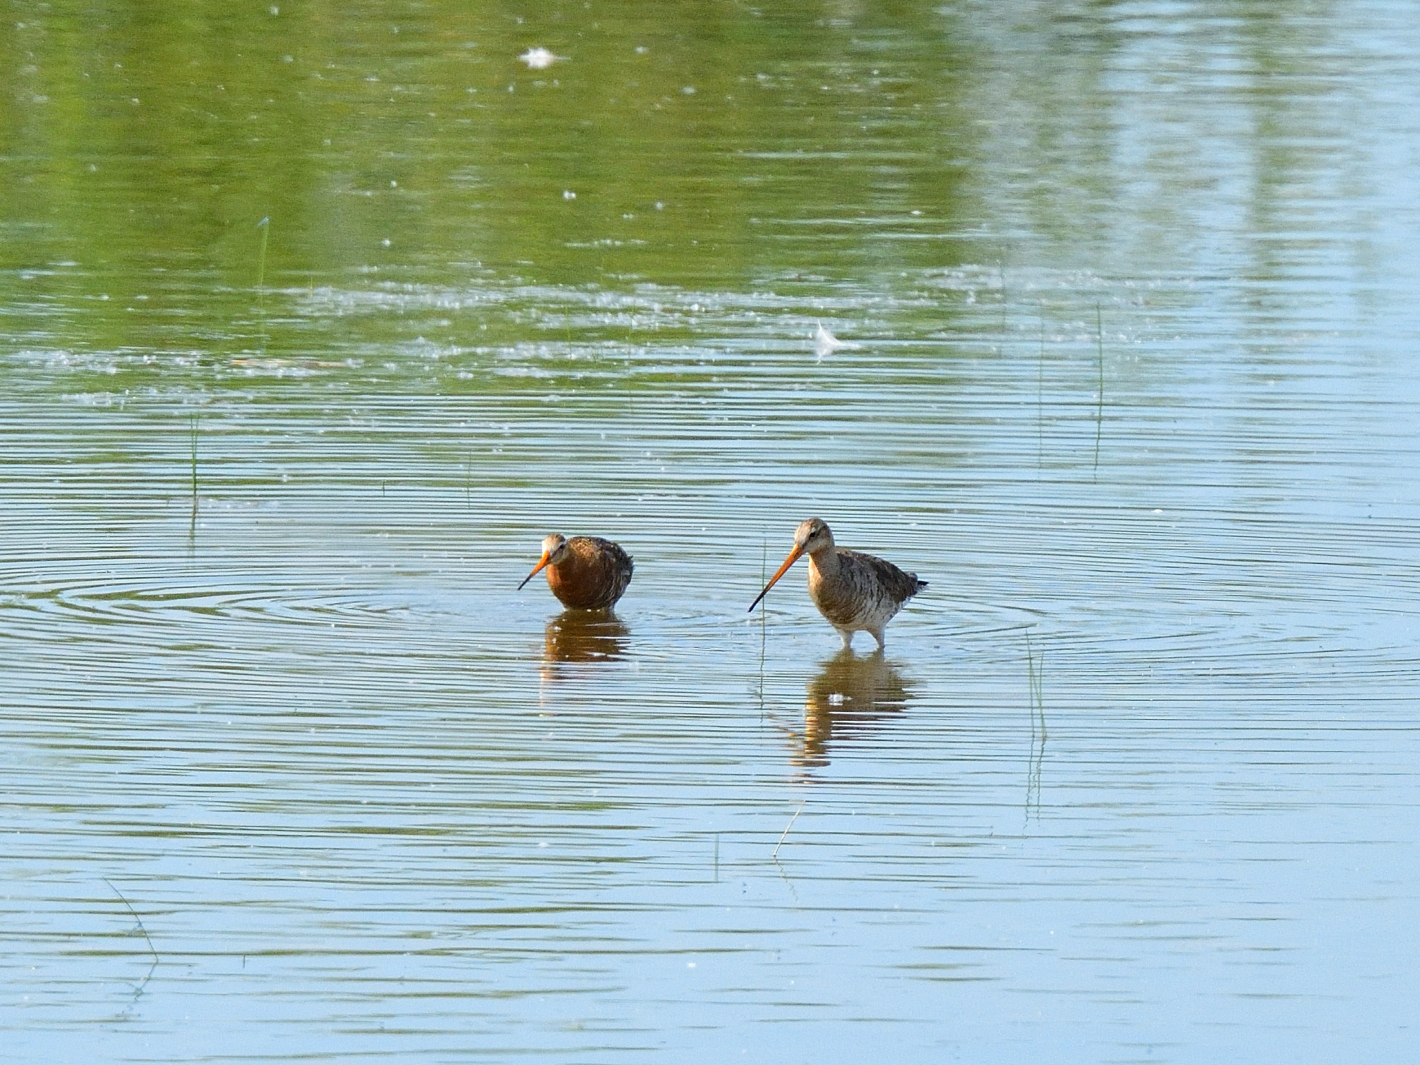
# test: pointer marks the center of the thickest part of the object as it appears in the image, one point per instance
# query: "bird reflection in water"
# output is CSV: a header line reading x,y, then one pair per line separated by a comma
x,y
851,696
584,636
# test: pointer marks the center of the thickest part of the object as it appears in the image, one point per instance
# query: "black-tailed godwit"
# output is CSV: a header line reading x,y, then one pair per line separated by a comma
x,y
853,591
585,572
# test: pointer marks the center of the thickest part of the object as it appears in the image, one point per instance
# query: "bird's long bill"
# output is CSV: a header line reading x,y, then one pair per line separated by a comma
x,y
538,569
793,557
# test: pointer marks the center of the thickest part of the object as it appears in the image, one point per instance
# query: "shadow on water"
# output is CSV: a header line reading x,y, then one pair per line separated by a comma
x,y
850,697
584,636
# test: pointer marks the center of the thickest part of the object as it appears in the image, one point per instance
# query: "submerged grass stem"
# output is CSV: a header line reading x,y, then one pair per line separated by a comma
x,y
775,855
142,928
1099,409
265,226
192,519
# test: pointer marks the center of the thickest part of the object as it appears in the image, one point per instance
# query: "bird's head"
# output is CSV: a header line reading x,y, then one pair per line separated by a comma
x,y
813,536
810,538
554,551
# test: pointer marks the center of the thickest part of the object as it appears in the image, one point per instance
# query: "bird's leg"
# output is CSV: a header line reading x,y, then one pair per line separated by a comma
x,y
847,635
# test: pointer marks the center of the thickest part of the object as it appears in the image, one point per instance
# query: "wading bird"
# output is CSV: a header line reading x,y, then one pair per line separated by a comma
x,y
853,591
585,572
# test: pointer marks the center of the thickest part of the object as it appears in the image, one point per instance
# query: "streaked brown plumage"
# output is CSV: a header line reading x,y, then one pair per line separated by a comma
x,y
853,591
585,572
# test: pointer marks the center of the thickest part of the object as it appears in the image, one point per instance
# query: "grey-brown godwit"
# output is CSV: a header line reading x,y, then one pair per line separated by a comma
x,y
853,591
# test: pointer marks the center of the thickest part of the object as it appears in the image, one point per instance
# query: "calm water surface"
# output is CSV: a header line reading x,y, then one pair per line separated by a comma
x,y
293,772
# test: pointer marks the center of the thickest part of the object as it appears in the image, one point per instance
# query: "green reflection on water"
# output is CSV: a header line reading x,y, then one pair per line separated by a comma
x,y
710,146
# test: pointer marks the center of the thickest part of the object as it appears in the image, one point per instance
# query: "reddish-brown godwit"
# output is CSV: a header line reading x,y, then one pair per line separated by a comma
x,y
853,591
585,572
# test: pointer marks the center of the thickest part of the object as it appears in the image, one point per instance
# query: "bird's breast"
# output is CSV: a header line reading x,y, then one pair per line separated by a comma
x,y
851,596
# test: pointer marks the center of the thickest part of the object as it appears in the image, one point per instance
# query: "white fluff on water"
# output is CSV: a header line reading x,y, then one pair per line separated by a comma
x,y
825,343
539,58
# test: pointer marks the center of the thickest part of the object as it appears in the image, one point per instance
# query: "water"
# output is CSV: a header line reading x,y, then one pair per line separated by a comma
x,y
293,771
